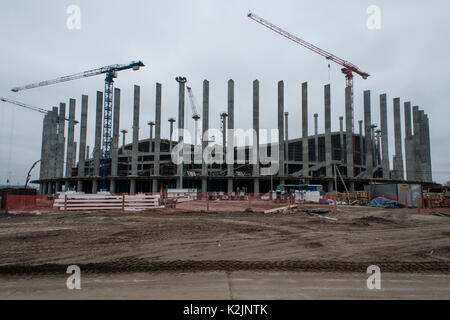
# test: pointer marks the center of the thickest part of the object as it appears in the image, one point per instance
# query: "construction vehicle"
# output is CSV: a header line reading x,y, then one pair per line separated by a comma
x,y
111,73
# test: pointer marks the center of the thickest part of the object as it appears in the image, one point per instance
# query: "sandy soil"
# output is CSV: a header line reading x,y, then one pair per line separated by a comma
x,y
180,239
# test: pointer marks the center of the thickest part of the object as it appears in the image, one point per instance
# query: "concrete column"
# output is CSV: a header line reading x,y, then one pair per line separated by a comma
x,y
157,156
384,136
75,148
398,158
286,141
416,139
181,97
368,134
409,144
230,185
230,166
428,150
44,150
171,121
205,128
281,127
349,131
53,146
87,153
151,124
256,128
61,139
115,137
305,142
328,146
316,136
83,152
341,138
361,142
132,186
70,140
98,140
135,148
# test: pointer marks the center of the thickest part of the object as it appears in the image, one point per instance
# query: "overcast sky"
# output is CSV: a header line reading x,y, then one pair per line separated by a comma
x,y
214,40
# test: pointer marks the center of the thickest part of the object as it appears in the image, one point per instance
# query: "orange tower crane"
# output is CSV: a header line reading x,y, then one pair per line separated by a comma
x,y
348,68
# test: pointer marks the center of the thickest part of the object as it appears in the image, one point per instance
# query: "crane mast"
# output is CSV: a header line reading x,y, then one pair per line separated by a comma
x,y
348,67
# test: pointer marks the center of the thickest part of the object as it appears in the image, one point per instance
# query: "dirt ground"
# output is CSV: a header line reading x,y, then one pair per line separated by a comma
x,y
187,238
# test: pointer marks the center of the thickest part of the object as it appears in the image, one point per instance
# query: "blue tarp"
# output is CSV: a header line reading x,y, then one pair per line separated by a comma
x,y
384,203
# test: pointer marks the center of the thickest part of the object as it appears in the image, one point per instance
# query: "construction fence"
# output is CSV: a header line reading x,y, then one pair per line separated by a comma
x,y
189,201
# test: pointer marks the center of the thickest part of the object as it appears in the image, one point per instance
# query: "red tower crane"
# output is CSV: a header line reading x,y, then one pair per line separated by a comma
x,y
348,68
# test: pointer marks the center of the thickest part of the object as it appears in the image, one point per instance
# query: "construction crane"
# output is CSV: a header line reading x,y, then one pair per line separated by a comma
x,y
348,68
111,73
27,106
195,114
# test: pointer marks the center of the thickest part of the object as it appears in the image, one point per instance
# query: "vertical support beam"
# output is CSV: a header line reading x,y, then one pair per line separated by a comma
x,y
70,140
316,136
305,142
398,158
409,144
135,146
384,137
368,134
416,138
61,139
230,166
256,170
205,138
53,162
44,150
281,127
256,127
98,140
75,148
349,132
181,98
428,150
157,156
286,142
341,138
361,142
328,147
115,139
